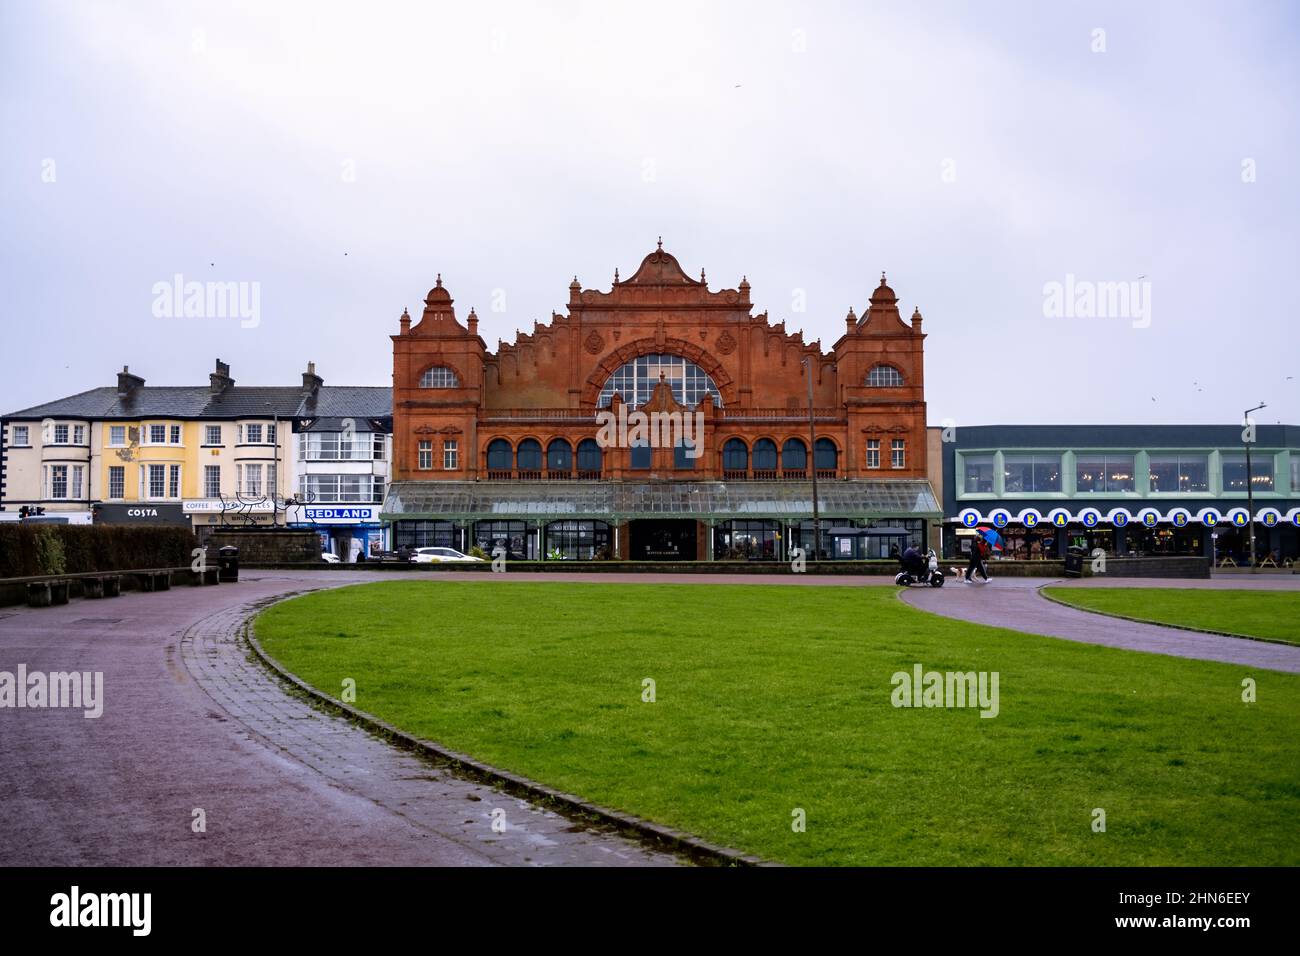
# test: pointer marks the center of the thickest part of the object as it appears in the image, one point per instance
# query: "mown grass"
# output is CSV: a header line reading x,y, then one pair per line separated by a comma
x,y
1269,614
775,699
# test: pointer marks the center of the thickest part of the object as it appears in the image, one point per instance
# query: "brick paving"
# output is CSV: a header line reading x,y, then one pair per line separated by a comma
x,y
191,722
1016,604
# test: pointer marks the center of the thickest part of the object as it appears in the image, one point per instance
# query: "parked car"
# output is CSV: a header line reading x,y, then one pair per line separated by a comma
x,y
440,556
402,555
329,558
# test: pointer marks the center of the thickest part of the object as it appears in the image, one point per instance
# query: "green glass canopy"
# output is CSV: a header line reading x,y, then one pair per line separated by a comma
x,y
617,501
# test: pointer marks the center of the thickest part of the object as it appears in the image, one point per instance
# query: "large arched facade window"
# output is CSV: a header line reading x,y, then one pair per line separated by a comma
x,y
500,457
884,376
528,456
735,456
765,456
825,455
590,458
440,376
794,456
636,381
559,457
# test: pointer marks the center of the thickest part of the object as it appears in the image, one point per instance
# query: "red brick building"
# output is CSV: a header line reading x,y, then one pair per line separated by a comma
x,y
505,446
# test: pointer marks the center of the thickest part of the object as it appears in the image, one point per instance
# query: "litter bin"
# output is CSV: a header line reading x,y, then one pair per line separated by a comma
x,y
228,563
1074,562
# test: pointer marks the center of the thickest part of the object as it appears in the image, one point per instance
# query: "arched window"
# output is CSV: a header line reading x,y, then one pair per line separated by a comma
x,y
765,455
439,377
825,455
499,455
590,459
794,455
640,455
528,456
884,376
735,456
559,456
636,381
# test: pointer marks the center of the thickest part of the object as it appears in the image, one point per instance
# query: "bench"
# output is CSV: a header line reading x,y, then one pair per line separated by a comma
x,y
207,576
101,586
153,580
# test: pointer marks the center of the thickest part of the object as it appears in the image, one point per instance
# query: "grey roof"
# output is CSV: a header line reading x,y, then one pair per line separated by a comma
x,y
237,401
621,500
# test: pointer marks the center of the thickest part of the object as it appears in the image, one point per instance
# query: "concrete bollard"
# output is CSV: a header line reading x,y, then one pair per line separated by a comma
x,y
38,594
92,588
112,585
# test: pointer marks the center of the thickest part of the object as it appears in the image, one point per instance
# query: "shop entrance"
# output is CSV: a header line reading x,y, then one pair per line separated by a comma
x,y
662,540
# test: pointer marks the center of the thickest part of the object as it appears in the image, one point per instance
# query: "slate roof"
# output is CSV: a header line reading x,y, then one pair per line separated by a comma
x,y
198,401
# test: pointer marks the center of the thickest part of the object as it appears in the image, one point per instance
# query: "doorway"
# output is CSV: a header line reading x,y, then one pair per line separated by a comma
x,y
662,540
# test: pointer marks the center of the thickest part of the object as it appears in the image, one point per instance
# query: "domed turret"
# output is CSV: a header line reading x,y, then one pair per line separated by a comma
x,y
438,294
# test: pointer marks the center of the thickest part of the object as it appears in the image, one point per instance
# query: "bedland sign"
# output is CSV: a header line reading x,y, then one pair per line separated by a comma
x,y
335,514
1120,517
161,515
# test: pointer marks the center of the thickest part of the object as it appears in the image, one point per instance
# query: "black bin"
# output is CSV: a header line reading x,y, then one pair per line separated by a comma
x,y
1074,562
228,564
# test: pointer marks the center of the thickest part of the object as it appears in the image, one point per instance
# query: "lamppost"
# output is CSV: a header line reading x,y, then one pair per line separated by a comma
x,y
1250,480
812,451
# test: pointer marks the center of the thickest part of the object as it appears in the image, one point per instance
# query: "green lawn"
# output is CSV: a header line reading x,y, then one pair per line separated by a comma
x,y
1270,614
772,699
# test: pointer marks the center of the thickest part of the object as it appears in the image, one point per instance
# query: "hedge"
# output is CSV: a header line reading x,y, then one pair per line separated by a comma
x,y
27,550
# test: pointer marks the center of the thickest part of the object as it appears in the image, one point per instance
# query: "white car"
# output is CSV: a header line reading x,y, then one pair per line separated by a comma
x,y
329,558
439,556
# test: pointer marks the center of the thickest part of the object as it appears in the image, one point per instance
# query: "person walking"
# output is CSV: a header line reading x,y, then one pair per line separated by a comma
x,y
979,550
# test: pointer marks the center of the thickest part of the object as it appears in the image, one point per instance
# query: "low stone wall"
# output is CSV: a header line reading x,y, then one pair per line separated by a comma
x,y
1172,567
269,547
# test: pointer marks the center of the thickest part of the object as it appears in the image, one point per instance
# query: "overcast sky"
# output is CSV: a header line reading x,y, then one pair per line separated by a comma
x,y
340,155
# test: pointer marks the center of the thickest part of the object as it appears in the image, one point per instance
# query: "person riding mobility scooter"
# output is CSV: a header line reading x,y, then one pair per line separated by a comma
x,y
919,569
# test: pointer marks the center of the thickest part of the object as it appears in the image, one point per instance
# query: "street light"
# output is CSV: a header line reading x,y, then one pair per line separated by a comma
x,y
1250,481
812,451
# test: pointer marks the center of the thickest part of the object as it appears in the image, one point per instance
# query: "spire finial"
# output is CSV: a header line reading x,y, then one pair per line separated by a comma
x,y
701,275
661,243
616,275
439,282
882,276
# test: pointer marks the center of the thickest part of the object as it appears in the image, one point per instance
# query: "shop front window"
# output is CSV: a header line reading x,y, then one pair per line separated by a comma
x,y
1234,473
978,472
578,540
1104,473
746,540
518,540
1032,473
426,534
1179,473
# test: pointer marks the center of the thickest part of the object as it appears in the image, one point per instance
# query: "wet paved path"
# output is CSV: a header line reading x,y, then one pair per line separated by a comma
x,y
190,722
1015,603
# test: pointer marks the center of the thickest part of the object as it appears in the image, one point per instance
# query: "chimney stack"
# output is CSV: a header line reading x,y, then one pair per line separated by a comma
x,y
311,382
127,383
220,380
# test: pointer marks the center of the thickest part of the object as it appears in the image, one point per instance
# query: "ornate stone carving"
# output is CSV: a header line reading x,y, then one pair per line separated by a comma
x,y
726,343
594,343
